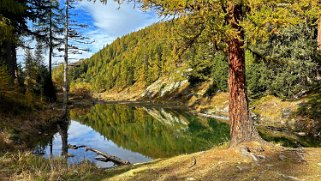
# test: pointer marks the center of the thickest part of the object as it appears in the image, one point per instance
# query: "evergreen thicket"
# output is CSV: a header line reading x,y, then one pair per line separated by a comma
x,y
37,76
28,85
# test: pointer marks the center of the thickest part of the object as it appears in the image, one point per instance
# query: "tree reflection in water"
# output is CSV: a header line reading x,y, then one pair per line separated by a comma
x,y
63,131
153,132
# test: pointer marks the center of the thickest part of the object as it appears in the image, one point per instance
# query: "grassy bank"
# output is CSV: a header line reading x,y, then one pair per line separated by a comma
x,y
230,164
26,166
220,163
21,130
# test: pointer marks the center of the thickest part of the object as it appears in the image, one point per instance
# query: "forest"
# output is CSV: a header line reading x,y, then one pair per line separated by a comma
x,y
287,65
196,90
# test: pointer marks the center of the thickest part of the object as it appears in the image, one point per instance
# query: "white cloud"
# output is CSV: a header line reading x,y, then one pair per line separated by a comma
x,y
116,21
111,22
100,38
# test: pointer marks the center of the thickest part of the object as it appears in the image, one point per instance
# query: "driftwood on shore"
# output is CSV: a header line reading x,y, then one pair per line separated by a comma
x,y
75,147
108,157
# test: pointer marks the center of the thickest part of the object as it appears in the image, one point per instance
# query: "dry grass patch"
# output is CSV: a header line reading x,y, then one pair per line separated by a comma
x,y
230,164
25,166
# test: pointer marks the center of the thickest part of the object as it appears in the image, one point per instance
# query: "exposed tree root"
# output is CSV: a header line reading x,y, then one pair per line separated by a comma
x,y
259,151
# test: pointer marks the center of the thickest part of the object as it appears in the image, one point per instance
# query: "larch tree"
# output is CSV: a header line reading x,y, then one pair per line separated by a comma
x,y
237,24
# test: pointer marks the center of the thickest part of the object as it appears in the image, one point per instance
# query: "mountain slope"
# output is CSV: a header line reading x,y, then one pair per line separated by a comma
x,y
156,63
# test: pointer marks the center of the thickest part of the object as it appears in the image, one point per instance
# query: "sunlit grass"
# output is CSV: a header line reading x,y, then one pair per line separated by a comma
x,y
26,166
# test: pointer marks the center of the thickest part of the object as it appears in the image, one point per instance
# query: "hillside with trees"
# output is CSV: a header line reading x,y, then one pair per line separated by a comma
x,y
286,65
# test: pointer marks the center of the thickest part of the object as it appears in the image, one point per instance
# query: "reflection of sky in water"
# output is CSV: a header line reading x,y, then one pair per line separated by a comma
x,y
79,134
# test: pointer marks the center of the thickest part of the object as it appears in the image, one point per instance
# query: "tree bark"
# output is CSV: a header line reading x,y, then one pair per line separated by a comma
x,y
241,126
108,157
319,34
66,84
8,59
50,44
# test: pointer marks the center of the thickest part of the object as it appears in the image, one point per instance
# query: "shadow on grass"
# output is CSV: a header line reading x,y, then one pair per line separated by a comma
x,y
311,108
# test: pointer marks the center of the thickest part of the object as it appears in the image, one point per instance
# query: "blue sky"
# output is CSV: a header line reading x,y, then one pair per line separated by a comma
x,y
106,23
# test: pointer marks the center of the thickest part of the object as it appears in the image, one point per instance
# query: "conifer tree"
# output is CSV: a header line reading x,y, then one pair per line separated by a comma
x,y
29,71
72,41
49,26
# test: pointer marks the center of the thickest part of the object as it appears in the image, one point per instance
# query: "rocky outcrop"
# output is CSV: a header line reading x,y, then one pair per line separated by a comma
x,y
164,87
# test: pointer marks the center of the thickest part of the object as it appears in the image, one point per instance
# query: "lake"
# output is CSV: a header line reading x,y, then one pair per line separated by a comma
x,y
139,133
134,133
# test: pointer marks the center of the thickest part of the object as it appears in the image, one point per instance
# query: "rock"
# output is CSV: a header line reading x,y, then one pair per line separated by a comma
x,y
288,177
282,157
261,157
292,123
254,116
286,113
254,158
269,166
241,168
191,178
225,109
300,133
246,152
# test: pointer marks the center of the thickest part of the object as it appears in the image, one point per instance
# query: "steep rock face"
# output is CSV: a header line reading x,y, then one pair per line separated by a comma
x,y
164,88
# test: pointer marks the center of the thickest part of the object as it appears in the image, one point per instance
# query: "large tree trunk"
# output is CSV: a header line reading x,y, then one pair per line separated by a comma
x,y
8,59
242,127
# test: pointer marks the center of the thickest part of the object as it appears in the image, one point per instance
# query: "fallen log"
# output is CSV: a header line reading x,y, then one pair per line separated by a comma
x,y
75,147
108,157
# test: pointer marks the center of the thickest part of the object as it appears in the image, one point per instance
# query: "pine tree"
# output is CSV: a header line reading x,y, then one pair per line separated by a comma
x,y
49,26
30,71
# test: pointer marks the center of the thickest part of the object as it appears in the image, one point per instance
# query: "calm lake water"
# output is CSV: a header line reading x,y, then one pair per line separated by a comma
x,y
139,134
133,133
